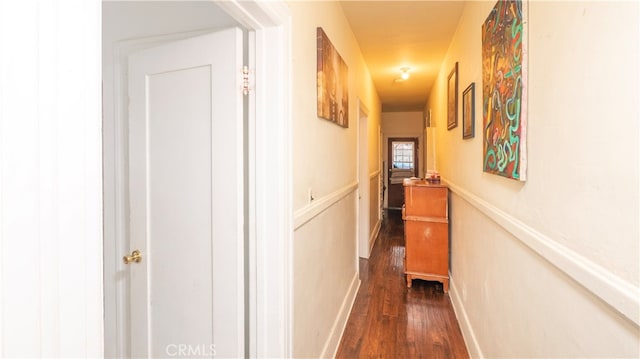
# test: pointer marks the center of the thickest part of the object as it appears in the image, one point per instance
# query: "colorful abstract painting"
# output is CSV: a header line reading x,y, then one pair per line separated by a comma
x,y
504,90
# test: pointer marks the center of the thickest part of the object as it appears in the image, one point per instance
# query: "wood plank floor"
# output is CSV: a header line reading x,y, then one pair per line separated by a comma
x,y
388,319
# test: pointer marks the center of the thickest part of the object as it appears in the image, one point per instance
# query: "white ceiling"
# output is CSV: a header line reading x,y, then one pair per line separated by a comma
x,y
396,34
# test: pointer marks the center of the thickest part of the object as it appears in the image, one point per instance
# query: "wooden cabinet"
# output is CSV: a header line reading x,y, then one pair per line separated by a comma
x,y
426,231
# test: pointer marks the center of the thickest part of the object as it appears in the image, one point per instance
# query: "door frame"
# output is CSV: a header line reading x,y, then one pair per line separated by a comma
x,y
364,193
268,219
270,173
416,162
416,151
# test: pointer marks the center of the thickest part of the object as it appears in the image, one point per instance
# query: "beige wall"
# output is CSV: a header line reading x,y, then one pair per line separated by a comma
x,y
540,269
325,163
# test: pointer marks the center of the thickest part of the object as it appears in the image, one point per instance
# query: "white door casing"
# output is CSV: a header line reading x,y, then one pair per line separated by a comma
x,y
186,197
363,183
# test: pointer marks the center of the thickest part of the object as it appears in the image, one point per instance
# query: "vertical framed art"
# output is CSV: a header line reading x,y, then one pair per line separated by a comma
x,y
332,82
468,111
504,90
452,98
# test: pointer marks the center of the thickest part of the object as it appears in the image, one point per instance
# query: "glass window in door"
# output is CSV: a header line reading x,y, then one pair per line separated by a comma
x,y
403,155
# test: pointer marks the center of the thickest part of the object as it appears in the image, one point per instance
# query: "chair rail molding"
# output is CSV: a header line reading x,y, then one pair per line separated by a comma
x,y
613,290
310,211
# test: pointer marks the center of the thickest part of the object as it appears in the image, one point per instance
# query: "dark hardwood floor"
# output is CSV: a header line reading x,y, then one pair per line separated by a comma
x,y
388,319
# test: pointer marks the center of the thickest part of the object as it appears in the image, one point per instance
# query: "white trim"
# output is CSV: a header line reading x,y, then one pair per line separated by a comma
x,y
377,176
270,177
337,330
470,340
613,290
310,211
376,228
362,108
374,235
363,224
254,14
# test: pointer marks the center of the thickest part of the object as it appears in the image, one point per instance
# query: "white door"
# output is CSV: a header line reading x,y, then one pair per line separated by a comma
x,y
186,198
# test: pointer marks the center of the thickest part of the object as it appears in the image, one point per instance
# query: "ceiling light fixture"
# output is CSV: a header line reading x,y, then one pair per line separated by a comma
x,y
405,73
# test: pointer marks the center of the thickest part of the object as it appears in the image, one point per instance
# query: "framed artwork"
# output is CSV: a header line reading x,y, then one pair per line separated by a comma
x,y
504,90
452,98
332,82
468,111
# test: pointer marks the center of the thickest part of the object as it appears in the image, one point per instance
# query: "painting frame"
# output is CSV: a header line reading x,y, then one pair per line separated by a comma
x,y
504,89
427,119
468,112
452,98
332,77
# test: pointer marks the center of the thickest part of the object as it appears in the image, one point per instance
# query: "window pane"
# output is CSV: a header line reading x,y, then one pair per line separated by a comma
x,y
402,155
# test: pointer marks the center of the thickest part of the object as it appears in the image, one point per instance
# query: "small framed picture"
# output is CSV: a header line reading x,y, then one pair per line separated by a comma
x,y
468,111
452,98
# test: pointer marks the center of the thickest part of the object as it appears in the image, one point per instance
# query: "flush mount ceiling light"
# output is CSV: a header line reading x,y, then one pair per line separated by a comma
x,y
404,75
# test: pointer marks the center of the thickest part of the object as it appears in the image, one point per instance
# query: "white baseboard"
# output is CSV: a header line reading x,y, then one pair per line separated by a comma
x,y
374,235
473,347
333,341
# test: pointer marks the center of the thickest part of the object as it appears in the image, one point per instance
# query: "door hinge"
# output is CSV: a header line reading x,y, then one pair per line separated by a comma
x,y
245,80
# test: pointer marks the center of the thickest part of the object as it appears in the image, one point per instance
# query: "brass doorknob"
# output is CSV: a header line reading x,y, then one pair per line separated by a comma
x,y
135,256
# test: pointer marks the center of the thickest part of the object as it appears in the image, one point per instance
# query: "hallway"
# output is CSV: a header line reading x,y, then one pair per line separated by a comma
x,y
388,320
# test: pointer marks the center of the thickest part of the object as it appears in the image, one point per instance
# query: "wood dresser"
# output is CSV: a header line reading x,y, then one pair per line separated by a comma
x,y
426,231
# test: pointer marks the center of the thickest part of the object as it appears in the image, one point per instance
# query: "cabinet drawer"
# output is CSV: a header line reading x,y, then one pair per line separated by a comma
x,y
427,247
422,201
